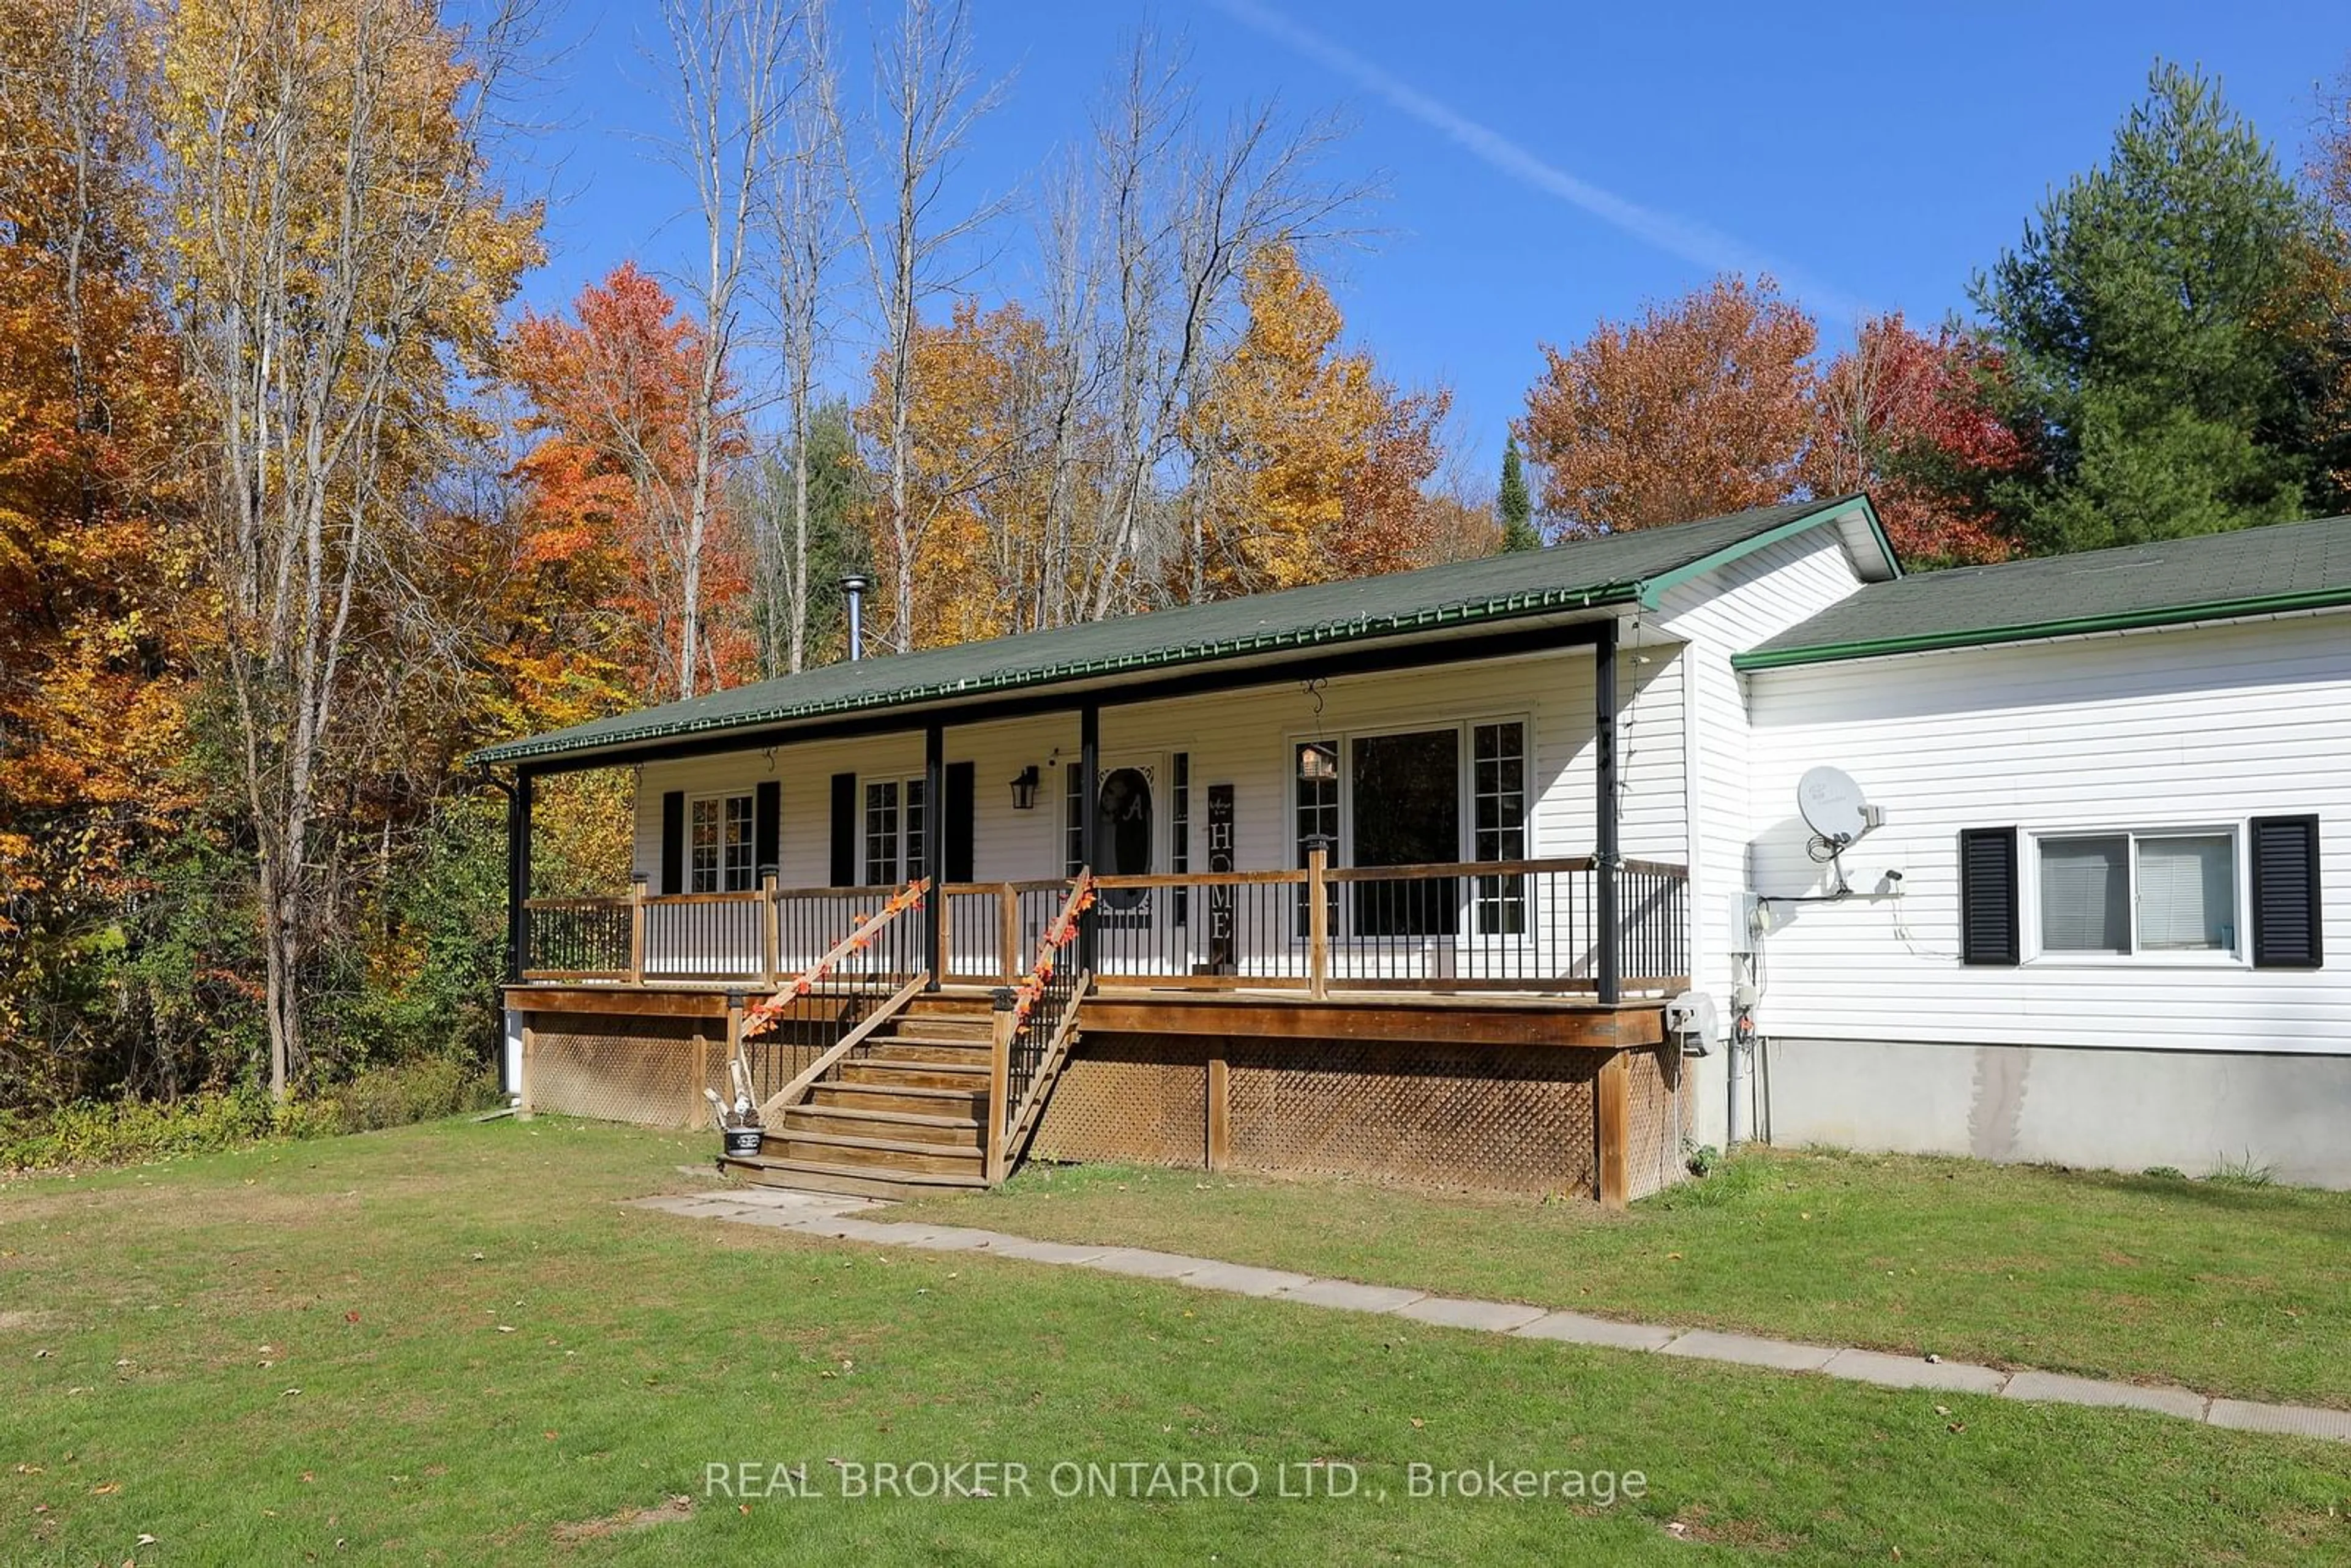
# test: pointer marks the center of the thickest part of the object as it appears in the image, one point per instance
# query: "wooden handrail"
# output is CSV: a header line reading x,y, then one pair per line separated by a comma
x,y
859,934
1185,879
847,1042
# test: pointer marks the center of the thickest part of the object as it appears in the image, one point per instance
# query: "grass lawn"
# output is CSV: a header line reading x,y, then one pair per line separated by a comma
x,y
2233,1290
456,1343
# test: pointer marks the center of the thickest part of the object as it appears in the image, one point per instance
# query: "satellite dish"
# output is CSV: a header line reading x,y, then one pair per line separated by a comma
x,y
1832,805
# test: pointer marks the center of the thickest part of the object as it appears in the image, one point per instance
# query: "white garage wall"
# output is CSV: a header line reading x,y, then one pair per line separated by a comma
x,y
2187,727
1725,613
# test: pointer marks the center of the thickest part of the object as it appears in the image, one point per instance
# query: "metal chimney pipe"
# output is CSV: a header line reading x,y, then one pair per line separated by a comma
x,y
854,586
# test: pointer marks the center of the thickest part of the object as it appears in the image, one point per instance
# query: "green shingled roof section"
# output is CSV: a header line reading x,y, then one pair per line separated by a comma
x,y
2252,572
1617,568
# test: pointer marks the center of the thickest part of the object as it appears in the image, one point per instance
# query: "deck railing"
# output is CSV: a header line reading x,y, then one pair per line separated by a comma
x,y
826,1010
1034,1018
1512,925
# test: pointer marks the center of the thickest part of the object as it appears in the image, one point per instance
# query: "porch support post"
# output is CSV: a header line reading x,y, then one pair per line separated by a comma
x,y
935,860
1089,849
518,875
1605,847
1612,1117
1003,1022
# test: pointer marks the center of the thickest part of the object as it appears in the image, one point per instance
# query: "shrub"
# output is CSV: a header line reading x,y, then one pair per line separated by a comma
x,y
125,1132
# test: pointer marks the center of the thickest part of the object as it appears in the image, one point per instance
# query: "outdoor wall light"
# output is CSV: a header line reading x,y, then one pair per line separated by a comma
x,y
1024,790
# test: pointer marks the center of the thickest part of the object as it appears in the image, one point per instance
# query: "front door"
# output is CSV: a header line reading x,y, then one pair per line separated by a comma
x,y
1127,837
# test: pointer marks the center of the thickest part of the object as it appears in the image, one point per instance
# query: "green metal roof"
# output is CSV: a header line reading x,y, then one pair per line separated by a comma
x,y
1617,568
2208,577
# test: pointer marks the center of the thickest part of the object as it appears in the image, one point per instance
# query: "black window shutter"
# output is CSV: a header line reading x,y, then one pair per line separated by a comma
x,y
767,824
957,824
844,830
1987,926
673,840
2286,922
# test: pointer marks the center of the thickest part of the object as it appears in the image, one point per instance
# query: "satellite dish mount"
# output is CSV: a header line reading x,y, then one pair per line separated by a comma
x,y
1833,808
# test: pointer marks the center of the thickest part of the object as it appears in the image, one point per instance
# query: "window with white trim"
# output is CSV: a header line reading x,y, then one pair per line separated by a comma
x,y
895,831
2116,894
1441,793
720,844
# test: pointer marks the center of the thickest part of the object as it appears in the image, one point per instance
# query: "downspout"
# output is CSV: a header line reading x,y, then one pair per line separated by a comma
x,y
518,796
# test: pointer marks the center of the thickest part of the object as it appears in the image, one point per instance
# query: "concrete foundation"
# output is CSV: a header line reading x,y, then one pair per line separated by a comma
x,y
2121,1110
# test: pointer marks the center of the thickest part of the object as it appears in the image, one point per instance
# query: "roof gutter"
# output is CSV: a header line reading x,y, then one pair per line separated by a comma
x,y
2079,626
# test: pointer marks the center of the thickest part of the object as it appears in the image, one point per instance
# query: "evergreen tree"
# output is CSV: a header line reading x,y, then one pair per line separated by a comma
x,y
2148,333
1513,505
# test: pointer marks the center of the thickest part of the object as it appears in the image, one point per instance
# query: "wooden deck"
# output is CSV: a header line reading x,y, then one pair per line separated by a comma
x,y
1508,1092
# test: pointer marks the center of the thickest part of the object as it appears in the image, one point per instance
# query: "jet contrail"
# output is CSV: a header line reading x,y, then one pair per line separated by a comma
x,y
1677,237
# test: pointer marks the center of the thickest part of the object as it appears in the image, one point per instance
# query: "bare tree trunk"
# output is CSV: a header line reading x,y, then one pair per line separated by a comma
x,y
801,204
1184,213
329,198
928,106
730,100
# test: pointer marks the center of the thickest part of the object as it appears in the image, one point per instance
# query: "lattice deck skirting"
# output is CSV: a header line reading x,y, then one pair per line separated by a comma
x,y
1501,1118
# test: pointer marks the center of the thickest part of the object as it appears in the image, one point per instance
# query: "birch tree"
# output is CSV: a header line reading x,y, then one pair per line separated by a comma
x,y
731,96
803,206
1184,209
343,252
929,98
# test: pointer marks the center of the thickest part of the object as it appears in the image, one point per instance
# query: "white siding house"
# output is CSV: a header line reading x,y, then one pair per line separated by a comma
x,y
2105,918
2133,1027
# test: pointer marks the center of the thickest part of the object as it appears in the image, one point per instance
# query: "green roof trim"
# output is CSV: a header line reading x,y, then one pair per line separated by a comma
x,y
1615,568
2278,569
1654,592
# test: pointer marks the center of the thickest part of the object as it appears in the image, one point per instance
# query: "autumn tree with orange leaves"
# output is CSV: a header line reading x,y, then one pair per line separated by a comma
x,y
94,663
1904,417
612,477
1307,466
1701,407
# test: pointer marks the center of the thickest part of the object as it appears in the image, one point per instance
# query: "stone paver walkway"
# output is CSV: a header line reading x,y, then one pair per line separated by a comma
x,y
850,1219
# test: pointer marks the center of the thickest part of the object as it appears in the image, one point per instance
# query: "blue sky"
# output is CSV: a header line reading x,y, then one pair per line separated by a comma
x,y
1548,165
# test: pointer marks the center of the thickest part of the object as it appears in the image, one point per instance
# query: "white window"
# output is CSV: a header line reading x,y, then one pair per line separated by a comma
x,y
894,830
719,840
1446,794
2118,894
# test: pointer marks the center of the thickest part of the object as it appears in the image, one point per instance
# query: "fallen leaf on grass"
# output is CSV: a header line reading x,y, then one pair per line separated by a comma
x,y
1418,1423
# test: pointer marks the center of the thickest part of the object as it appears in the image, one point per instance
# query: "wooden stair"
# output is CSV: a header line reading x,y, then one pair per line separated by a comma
x,y
906,1115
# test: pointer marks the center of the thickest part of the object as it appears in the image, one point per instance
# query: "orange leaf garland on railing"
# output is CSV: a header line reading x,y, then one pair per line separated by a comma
x,y
762,1016
1058,935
